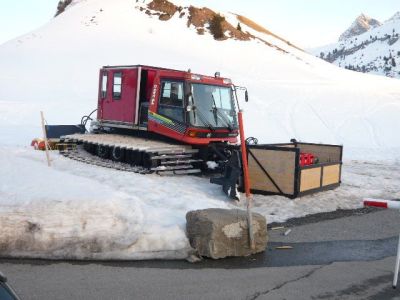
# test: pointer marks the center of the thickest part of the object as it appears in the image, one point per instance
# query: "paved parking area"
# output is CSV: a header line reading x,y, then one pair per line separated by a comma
x,y
346,258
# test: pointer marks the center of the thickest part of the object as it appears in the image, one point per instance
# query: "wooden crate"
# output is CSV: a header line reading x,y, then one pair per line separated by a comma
x,y
275,169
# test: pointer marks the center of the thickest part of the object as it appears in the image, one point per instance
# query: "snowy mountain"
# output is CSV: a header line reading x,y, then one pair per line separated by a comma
x,y
362,24
368,46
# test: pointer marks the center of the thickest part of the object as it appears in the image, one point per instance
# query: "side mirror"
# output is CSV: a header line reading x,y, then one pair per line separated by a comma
x,y
246,96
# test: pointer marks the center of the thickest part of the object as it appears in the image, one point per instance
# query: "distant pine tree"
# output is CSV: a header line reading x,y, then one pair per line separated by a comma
x,y
238,27
62,4
385,59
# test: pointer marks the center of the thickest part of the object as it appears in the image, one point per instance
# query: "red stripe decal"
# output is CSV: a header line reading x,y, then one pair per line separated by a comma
x,y
376,204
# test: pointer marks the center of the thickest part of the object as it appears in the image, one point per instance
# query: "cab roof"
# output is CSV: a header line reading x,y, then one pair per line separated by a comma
x,y
187,73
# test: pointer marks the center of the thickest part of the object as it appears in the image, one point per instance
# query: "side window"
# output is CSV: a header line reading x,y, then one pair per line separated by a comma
x,y
104,81
117,85
171,100
172,93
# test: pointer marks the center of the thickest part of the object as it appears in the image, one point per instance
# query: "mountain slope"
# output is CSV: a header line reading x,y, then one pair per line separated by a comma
x,y
375,51
292,94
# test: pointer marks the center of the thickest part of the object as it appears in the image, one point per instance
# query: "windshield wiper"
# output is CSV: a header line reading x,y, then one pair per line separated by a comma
x,y
221,115
204,121
201,116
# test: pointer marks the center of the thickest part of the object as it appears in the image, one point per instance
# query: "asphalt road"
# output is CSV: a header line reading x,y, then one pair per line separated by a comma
x,y
346,258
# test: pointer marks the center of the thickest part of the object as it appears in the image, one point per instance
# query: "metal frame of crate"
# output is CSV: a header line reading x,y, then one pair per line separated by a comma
x,y
275,169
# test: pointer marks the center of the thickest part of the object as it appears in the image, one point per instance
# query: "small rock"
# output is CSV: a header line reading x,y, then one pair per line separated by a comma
x,y
193,258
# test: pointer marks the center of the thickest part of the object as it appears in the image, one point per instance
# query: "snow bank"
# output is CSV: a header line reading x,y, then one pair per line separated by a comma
x,y
78,211
46,210
74,210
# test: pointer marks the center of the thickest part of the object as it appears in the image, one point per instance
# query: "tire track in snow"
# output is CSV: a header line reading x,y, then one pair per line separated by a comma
x,y
322,121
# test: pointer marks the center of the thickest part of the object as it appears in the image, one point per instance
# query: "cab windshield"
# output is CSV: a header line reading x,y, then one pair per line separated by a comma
x,y
212,106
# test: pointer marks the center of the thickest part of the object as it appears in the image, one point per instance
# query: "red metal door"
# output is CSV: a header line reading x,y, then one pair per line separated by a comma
x,y
120,103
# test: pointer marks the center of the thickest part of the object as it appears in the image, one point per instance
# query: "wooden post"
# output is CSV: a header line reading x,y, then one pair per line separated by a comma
x,y
46,144
246,180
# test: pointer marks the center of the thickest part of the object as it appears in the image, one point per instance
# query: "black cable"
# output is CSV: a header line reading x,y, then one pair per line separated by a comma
x,y
85,119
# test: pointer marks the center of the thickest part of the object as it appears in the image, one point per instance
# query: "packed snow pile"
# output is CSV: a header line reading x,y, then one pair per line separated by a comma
x,y
74,210
368,46
79,211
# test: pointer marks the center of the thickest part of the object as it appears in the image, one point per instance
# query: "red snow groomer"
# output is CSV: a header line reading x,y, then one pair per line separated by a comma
x,y
190,108
170,122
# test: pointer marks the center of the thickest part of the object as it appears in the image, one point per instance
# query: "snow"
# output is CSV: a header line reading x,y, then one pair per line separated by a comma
x,y
83,211
212,165
78,211
74,210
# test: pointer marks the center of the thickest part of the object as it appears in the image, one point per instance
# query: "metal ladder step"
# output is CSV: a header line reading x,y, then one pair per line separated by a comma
x,y
180,161
175,151
179,172
172,168
177,156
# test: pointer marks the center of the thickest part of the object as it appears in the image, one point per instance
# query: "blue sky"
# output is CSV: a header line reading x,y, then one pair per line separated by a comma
x,y
305,22
21,16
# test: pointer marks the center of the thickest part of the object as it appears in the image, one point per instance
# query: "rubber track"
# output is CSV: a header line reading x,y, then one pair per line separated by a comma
x,y
79,154
142,155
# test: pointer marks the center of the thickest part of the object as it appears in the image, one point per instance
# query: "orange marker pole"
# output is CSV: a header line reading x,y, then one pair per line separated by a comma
x,y
46,142
246,179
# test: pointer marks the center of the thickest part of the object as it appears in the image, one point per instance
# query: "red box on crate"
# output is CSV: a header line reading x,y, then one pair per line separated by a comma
x,y
306,159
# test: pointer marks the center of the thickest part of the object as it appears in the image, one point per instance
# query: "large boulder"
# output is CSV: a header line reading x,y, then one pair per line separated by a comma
x,y
219,233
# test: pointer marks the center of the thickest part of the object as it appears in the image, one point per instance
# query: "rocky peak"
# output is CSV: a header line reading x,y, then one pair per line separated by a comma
x,y
395,17
362,24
